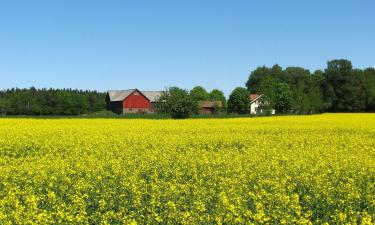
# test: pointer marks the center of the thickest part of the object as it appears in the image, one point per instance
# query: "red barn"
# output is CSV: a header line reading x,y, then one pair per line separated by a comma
x,y
132,101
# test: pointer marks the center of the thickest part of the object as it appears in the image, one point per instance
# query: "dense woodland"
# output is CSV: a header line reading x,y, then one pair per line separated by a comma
x,y
338,88
34,101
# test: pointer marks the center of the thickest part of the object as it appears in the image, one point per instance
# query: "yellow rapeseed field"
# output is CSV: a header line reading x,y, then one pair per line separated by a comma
x,y
270,170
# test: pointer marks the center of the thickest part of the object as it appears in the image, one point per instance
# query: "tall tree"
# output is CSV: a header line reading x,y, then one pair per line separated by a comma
x,y
258,75
198,93
239,101
369,88
218,95
268,89
4,105
343,87
283,100
177,102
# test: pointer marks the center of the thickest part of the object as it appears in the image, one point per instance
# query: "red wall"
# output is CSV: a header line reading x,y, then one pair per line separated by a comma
x,y
136,100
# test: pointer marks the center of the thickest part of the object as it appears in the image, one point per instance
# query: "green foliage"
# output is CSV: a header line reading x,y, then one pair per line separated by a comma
x,y
268,89
178,103
199,93
218,95
304,86
369,88
283,99
258,75
339,88
239,101
347,89
34,101
336,89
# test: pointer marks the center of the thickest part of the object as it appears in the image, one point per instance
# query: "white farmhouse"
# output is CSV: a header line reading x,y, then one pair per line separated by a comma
x,y
255,103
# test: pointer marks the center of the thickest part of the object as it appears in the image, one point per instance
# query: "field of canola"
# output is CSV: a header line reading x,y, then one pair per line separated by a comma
x,y
274,170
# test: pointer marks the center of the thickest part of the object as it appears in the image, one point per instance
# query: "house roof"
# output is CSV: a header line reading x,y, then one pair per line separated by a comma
x,y
254,97
120,95
210,104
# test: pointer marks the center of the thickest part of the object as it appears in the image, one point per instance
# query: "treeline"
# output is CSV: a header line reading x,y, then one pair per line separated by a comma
x,y
339,88
34,101
180,103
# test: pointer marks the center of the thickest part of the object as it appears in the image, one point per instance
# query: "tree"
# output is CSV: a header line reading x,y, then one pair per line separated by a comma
x,y
239,101
256,77
268,89
4,105
337,87
34,101
283,98
198,93
217,95
177,103
259,74
306,88
315,93
369,88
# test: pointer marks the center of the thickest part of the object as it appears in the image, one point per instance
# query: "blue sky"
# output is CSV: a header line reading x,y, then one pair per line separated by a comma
x,y
151,45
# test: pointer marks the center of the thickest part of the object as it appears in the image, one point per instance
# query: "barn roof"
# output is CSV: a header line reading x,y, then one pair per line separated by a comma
x,y
116,96
153,96
120,95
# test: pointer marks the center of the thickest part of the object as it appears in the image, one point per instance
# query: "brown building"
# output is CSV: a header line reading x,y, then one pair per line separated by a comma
x,y
209,107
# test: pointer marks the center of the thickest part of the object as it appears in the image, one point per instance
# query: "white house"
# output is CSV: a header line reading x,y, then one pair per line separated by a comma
x,y
255,103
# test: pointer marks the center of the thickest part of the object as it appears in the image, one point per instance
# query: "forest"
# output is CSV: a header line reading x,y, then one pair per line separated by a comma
x,y
34,101
338,88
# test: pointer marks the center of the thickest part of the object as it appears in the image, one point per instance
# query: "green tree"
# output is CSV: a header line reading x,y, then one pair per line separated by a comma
x,y
259,74
4,105
268,89
369,88
177,103
198,93
218,95
315,93
256,77
337,87
283,98
239,101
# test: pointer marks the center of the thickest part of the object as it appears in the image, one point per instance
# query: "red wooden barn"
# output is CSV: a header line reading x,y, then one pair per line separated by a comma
x,y
132,101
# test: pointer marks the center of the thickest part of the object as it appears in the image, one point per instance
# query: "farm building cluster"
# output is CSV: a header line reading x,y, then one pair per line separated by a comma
x,y
136,101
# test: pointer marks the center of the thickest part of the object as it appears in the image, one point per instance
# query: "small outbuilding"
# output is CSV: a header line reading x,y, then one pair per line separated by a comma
x,y
209,107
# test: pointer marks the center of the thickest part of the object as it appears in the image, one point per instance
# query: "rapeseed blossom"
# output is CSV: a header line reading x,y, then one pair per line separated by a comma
x,y
273,170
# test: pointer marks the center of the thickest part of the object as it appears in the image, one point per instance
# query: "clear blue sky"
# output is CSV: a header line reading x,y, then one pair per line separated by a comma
x,y
155,44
